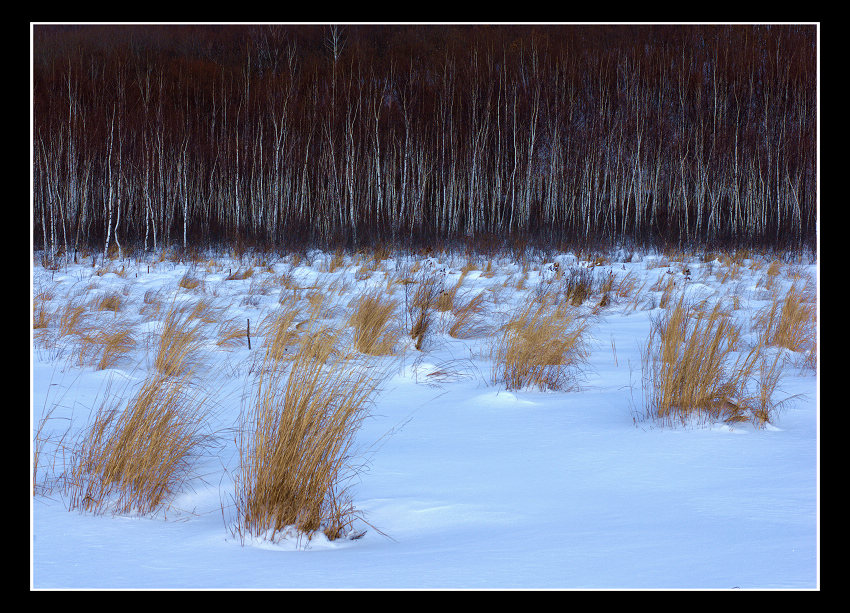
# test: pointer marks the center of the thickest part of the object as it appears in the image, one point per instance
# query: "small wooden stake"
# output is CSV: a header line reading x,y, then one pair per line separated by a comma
x,y
249,335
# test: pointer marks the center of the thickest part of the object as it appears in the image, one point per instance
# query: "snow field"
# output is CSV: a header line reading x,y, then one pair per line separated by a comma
x,y
457,481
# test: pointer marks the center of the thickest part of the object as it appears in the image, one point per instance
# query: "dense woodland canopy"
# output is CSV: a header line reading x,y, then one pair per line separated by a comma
x,y
285,136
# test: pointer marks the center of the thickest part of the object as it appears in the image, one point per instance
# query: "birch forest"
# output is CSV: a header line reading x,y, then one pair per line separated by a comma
x,y
147,137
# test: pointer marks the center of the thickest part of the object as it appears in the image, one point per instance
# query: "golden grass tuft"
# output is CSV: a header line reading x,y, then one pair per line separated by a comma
x,y
280,334
188,281
240,274
542,346
578,285
72,318
232,332
691,370
295,441
789,321
178,343
372,320
445,300
109,302
420,307
468,317
41,315
337,261
106,345
135,459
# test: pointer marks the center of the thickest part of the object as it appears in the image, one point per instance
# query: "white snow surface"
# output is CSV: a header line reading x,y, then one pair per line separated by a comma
x,y
459,483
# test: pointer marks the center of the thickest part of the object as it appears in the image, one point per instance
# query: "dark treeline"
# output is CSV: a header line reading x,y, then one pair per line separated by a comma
x,y
154,136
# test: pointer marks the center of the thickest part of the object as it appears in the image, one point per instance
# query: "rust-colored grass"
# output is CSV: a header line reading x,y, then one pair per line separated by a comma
x,y
789,321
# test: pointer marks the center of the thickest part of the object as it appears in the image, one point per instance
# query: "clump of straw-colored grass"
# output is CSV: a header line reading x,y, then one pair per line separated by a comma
x,y
280,333
178,343
420,307
468,317
134,460
372,320
789,321
106,345
692,370
578,285
72,318
542,346
232,332
240,274
296,438
189,281
111,301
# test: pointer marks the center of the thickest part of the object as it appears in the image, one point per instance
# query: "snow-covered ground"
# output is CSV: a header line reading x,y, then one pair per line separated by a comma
x,y
460,482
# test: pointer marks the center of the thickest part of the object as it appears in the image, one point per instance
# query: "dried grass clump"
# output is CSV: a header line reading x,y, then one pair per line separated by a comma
x,y
188,281
152,304
691,369
337,261
232,332
295,442
445,299
372,320
578,285
420,307
542,346
178,343
134,460
468,317
240,274
280,334
606,288
789,321
109,302
106,345
206,311
41,315
72,318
